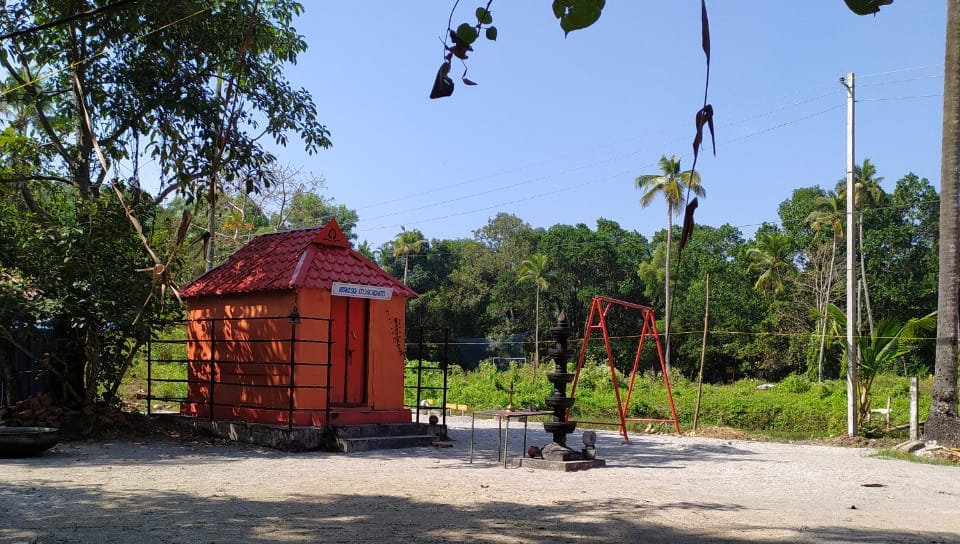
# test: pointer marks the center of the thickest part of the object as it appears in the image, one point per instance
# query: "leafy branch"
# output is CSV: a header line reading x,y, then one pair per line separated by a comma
x,y
459,45
573,15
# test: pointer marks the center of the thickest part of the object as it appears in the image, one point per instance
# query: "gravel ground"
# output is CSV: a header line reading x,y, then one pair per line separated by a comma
x,y
659,488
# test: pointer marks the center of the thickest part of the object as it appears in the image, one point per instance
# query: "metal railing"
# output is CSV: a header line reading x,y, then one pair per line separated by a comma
x,y
223,350
432,356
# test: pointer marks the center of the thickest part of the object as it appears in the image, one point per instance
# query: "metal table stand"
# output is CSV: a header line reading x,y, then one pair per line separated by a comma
x,y
503,433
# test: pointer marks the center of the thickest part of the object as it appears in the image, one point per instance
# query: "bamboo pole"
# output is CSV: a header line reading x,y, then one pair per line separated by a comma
x,y
703,352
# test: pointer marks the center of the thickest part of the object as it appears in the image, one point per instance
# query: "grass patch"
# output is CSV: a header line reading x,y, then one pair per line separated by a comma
x,y
168,374
794,409
168,387
904,456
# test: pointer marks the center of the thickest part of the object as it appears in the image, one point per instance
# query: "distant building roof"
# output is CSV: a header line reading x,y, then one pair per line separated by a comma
x,y
312,257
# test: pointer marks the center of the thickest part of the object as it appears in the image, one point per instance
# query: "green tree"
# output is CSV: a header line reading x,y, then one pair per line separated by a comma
x,y
311,210
129,82
773,257
735,307
673,185
794,216
827,217
869,196
532,270
182,83
407,243
62,276
586,262
508,240
783,328
902,238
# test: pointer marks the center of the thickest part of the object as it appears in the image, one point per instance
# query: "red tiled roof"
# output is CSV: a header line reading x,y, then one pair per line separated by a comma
x,y
312,257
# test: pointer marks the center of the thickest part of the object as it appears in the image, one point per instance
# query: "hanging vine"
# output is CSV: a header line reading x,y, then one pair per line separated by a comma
x,y
458,43
573,15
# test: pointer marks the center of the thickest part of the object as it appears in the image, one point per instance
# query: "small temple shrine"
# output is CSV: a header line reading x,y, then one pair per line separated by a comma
x,y
297,328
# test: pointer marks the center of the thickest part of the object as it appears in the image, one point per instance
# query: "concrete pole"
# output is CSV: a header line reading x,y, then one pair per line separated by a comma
x,y
914,412
852,394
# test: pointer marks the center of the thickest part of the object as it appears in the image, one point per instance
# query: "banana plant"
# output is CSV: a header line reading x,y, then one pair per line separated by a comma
x,y
880,350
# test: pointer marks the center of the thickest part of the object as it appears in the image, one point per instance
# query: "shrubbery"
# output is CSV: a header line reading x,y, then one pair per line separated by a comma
x,y
794,408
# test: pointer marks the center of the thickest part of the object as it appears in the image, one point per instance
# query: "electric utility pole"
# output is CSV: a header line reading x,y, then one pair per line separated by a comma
x,y
853,397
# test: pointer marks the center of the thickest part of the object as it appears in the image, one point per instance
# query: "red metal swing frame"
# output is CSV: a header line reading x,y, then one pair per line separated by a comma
x,y
597,320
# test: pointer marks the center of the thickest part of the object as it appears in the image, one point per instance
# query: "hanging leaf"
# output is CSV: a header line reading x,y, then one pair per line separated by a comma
x,y
484,16
705,30
866,7
688,225
442,84
460,51
468,82
466,34
704,117
492,33
185,220
577,14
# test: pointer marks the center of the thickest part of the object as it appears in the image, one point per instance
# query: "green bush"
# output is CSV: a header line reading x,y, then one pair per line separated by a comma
x,y
795,383
793,408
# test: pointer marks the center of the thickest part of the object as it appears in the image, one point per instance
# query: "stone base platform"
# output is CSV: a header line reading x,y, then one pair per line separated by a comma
x,y
559,466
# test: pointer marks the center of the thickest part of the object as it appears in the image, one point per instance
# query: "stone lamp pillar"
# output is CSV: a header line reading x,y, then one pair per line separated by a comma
x,y
560,427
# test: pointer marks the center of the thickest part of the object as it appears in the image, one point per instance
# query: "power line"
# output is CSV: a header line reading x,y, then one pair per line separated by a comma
x,y
680,139
893,98
69,19
564,189
611,159
798,102
901,70
104,50
501,204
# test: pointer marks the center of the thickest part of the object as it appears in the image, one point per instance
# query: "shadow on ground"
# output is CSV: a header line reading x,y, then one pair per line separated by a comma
x,y
181,517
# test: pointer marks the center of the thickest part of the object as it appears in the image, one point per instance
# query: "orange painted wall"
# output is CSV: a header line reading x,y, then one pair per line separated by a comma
x,y
258,364
387,345
260,371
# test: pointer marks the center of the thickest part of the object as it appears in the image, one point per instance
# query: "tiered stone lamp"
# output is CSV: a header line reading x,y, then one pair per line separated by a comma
x,y
557,455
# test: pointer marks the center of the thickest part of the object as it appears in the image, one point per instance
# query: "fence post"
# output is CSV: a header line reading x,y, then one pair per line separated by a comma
x,y
445,365
213,359
326,406
914,415
419,372
294,320
149,373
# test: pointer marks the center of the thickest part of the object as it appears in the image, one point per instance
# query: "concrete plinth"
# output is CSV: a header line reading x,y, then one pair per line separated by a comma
x,y
559,466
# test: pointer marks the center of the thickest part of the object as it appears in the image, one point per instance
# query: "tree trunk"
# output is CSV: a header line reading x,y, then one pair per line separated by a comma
x,y
863,277
8,365
666,293
942,424
823,315
536,331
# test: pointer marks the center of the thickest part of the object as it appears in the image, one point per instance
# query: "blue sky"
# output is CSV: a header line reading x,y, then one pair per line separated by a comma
x,y
557,129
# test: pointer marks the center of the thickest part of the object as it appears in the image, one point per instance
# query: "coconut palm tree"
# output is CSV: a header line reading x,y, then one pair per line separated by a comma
x,y
942,423
674,185
773,257
406,243
869,194
532,270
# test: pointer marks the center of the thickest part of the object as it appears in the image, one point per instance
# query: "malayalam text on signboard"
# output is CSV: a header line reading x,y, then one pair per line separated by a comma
x,y
361,291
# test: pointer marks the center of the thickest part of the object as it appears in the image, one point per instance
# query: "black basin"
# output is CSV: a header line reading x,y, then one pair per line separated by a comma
x,y
27,441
